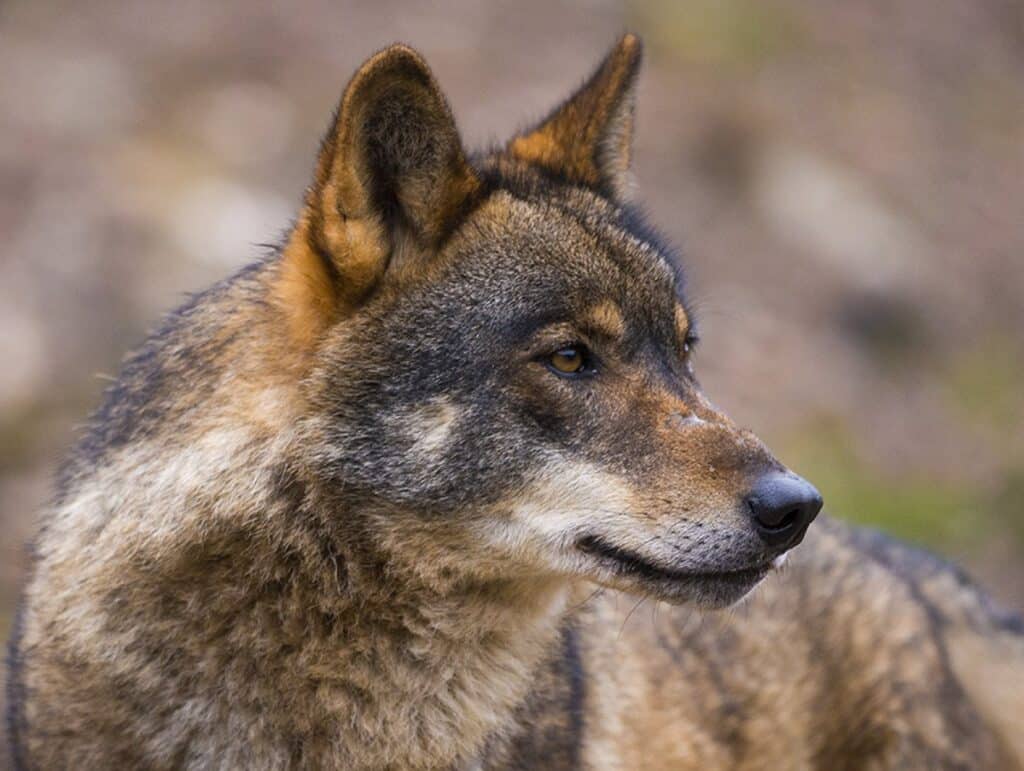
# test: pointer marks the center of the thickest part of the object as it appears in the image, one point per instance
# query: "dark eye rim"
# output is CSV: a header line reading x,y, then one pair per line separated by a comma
x,y
588,368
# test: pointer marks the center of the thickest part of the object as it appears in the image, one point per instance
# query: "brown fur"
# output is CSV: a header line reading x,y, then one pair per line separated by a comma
x,y
338,512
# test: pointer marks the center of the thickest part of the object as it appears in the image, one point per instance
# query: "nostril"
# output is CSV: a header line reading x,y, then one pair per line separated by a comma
x,y
769,517
788,520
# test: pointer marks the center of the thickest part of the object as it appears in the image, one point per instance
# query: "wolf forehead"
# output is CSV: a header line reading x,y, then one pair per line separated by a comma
x,y
553,252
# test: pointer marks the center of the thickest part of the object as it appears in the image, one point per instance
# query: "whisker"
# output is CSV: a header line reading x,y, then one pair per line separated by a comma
x,y
629,615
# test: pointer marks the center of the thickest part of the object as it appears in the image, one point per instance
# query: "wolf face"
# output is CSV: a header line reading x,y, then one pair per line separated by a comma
x,y
499,354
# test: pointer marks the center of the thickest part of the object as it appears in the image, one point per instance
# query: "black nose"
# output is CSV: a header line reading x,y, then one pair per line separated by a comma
x,y
783,505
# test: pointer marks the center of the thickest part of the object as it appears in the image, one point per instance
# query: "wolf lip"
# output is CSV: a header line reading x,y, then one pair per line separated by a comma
x,y
632,564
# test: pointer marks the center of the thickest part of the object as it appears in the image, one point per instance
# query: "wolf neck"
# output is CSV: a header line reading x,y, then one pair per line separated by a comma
x,y
312,637
414,676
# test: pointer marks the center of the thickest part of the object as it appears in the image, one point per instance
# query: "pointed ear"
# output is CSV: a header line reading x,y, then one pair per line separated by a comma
x,y
589,138
391,171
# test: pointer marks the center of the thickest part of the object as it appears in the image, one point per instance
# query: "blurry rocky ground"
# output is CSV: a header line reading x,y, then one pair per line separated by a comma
x,y
846,178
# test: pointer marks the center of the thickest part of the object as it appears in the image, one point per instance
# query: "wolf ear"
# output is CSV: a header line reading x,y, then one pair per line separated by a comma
x,y
391,170
589,138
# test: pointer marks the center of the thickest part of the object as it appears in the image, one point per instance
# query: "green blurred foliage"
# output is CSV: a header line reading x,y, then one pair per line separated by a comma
x,y
741,33
986,382
930,511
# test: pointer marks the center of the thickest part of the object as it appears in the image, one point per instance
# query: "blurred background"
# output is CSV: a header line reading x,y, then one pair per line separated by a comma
x,y
845,177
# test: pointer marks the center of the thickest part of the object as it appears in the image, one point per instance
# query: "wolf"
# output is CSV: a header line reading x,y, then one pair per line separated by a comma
x,y
385,499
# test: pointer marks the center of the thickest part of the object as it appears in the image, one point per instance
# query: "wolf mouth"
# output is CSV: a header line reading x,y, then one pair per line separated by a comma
x,y
628,563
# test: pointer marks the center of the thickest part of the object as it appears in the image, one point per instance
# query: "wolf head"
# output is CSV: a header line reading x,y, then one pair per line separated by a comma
x,y
496,354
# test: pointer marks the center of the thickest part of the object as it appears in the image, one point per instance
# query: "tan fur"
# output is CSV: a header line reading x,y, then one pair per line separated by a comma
x,y
682,321
606,319
305,292
990,672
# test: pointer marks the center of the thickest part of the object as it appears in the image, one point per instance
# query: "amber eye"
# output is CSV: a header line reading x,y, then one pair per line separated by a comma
x,y
571,360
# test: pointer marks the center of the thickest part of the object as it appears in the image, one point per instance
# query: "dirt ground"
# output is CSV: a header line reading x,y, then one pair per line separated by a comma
x,y
845,177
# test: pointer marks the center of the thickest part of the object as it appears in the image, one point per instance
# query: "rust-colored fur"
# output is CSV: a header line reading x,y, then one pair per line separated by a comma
x,y
351,508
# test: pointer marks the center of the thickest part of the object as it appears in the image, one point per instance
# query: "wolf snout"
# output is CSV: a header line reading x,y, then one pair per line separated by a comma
x,y
782,506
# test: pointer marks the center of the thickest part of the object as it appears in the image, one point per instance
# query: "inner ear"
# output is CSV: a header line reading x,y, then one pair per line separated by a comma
x,y
397,153
391,170
588,139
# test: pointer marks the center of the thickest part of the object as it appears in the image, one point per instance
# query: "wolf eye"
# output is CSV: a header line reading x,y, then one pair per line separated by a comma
x,y
571,360
689,344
